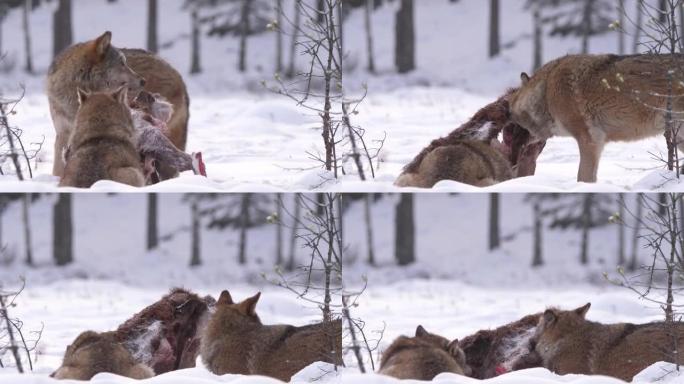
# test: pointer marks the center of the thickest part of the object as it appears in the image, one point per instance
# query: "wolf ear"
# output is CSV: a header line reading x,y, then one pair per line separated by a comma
x,y
582,311
525,78
420,331
103,43
225,298
121,95
249,305
82,96
549,316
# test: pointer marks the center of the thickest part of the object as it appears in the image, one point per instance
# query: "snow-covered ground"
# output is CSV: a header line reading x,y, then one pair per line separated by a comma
x,y
253,140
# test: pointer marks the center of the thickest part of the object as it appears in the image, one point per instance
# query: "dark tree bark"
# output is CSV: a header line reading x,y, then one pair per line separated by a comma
x,y
663,11
404,239
293,237
586,30
152,21
27,36
621,231
195,252
587,204
622,49
369,228
537,238
494,34
369,35
321,11
639,26
244,226
538,40
62,239
152,220
279,230
62,30
295,35
25,205
633,260
404,54
195,66
494,226
244,32
279,37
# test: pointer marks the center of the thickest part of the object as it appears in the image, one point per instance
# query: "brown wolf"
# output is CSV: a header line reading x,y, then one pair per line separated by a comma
x,y
166,335
567,343
235,341
92,353
472,154
423,357
598,99
97,66
101,146
490,353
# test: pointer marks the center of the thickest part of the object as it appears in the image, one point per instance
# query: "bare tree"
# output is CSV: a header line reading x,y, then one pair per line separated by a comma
x,y
195,240
152,21
404,235
62,30
404,30
244,226
244,32
537,239
296,27
195,66
369,228
587,202
27,36
296,218
621,231
279,230
279,37
587,24
13,339
494,230
369,35
494,34
621,36
538,39
62,239
638,216
152,220
26,218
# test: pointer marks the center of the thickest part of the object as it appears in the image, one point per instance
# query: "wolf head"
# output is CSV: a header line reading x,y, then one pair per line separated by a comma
x,y
153,104
105,67
555,326
242,312
527,104
443,343
106,107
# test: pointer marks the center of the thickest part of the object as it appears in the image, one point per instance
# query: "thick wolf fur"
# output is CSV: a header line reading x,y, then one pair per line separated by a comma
x,y
568,343
102,146
97,66
92,353
598,99
423,357
235,341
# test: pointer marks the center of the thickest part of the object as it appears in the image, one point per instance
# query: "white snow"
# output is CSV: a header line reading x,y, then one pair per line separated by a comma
x,y
253,140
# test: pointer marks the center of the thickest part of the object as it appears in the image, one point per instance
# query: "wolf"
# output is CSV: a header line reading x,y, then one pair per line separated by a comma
x,y
598,99
423,357
101,146
92,353
473,154
490,353
568,343
162,160
97,66
235,341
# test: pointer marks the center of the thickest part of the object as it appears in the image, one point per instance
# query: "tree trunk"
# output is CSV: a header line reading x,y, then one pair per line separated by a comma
x,y
494,34
404,239
152,220
369,228
538,39
587,25
494,226
244,225
621,33
537,240
279,37
62,30
621,231
195,66
25,205
27,36
632,266
587,203
320,11
639,26
279,230
152,20
404,54
244,32
196,258
293,237
62,239
663,10
369,35
293,43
